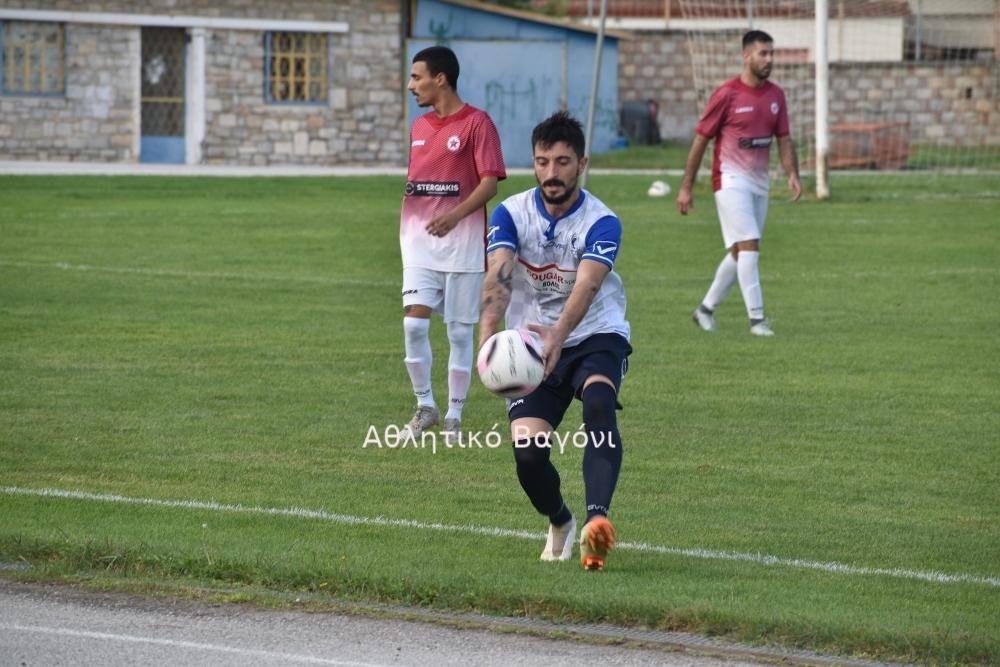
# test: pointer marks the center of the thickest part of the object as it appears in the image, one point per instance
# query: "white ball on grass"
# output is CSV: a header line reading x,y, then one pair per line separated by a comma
x,y
659,189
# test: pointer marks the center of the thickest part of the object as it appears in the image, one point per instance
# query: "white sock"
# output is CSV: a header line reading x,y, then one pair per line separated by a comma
x,y
418,358
750,283
725,278
459,367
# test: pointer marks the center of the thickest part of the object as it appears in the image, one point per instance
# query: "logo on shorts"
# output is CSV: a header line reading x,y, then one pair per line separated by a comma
x,y
408,292
774,107
454,143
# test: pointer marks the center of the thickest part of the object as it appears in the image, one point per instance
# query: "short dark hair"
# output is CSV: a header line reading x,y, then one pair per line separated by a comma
x,y
560,126
440,59
755,36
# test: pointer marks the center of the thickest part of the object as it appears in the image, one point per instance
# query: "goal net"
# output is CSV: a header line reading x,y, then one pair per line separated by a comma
x,y
912,83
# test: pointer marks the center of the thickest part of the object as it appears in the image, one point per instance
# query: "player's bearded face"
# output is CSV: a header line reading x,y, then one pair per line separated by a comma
x,y
760,58
556,191
557,170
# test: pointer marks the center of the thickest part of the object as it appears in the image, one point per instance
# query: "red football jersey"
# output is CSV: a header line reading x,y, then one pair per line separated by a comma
x,y
743,120
448,159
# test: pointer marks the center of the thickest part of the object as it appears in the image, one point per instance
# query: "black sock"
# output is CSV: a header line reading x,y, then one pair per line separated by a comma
x,y
539,478
602,459
561,517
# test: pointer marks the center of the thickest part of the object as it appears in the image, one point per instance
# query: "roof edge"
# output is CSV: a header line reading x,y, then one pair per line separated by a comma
x,y
567,23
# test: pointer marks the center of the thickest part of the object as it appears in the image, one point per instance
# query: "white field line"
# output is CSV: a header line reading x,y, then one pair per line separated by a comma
x,y
174,643
209,275
707,554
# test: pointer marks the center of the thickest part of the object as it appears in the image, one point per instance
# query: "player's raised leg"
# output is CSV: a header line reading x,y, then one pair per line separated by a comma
x,y
541,483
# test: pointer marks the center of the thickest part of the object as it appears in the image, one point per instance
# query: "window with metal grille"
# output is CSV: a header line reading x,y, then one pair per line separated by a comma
x,y
33,58
295,67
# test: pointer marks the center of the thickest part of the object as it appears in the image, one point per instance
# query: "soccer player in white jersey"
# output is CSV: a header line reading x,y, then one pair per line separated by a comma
x,y
742,116
455,163
550,259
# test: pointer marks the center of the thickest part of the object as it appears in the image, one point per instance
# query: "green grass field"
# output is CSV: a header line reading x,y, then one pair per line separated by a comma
x,y
673,155
233,341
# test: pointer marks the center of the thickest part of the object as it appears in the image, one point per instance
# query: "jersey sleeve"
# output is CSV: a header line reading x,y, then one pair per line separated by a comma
x,y
781,124
501,233
489,154
602,241
715,113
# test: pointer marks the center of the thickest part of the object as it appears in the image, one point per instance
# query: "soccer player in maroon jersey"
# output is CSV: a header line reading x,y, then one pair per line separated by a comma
x,y
455,163
742,116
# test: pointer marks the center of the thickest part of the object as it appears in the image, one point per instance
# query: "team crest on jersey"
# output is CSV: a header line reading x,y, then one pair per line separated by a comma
x,y
454,143
774,107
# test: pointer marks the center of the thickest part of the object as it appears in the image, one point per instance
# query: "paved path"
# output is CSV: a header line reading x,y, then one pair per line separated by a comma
x,y
50,625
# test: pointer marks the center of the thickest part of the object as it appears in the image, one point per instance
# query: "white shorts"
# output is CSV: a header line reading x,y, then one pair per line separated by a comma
x,y
741,214
453,295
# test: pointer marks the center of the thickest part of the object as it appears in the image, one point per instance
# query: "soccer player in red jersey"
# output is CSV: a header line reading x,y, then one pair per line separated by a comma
x,y
455,163
742,116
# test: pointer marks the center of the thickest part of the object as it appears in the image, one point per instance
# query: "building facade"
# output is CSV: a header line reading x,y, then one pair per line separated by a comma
x,y
303,82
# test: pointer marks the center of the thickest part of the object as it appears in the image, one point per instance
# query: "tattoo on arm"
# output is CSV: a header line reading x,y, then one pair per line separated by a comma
x,y
505,276
496,291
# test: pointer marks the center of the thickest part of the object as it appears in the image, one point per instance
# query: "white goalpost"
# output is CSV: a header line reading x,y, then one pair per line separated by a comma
x,y
822,105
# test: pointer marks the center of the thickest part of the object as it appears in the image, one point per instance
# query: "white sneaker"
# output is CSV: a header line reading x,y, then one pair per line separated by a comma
x,y
422,419
452,431
705,321
762,328
559,544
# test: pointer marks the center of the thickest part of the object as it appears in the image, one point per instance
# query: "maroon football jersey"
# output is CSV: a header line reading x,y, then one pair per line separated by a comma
x,y
448,158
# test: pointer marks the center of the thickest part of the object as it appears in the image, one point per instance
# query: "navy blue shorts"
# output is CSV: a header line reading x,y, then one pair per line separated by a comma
x,y
601,354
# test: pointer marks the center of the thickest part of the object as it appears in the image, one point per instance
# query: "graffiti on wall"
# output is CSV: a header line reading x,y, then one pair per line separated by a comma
x,y
440,31
519,99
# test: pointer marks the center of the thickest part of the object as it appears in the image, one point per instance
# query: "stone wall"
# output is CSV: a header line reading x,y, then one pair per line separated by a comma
x,y
657,66
361,123
949,103
95,119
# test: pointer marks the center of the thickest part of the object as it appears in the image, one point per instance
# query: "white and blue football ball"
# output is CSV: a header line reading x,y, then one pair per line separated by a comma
x,y
510,363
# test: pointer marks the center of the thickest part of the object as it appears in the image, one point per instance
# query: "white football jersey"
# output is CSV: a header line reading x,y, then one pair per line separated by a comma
x,y
547,255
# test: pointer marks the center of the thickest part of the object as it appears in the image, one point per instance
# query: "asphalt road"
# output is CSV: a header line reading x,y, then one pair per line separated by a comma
x,y
52,625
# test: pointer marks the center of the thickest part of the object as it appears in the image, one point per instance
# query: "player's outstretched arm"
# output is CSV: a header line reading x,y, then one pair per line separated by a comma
x,y
589,276
790,163
685,200
495,296
485,191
